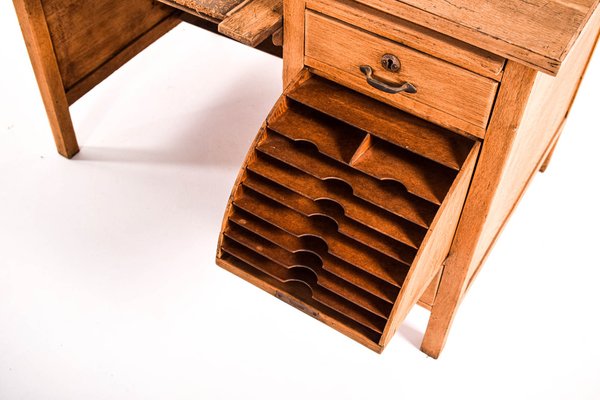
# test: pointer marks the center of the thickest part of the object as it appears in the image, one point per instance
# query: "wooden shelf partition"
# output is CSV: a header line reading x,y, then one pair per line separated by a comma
x,y
394,195
384,121
332,216
314,245
354,208
329,210
351,251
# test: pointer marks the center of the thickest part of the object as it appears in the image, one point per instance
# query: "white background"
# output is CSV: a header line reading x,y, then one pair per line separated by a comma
x,y
109,290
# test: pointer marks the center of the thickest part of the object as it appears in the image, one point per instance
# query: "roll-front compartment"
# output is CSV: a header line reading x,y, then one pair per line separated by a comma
x,y
345,208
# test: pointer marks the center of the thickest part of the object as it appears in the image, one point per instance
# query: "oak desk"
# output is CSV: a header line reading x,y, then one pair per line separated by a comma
x,y
405,136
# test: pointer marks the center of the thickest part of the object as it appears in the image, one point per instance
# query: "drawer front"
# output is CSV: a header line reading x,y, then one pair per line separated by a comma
x,y
446,94
412,35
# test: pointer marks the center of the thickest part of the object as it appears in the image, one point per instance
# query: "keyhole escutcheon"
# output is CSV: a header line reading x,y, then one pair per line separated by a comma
x,y
390,62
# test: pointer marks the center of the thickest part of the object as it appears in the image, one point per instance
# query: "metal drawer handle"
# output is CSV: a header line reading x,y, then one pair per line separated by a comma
x,y
384,86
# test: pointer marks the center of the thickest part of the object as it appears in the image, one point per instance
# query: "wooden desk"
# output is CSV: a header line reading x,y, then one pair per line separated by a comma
x,y
351,209
406,134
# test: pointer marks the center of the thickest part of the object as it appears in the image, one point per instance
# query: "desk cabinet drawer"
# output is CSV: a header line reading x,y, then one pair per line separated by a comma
x,y
446,94
346,208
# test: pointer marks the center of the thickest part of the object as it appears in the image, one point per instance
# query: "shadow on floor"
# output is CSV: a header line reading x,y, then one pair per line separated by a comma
x,y
218,135
410,334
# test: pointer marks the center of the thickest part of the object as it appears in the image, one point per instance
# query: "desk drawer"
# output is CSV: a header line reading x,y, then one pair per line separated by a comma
x,y
346,208
446,94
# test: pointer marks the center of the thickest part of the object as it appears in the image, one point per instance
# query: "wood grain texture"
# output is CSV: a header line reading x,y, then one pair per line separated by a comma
x,y
283,266
279,107
398,250
206,21
548,106
355,209
215,9
304,205
112,64
269,286
442,88
332,137
202,22
189,11
277,37
435,247
512,101
253,22
330,262
86,34
421,177
354,252
537,33
379,159
293,37
383,121
41,52
526,123
428,298
395,199
412,35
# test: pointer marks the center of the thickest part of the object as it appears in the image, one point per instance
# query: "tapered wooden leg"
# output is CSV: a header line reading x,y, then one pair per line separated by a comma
x,y
442,313
64,137
41,52
458,270
462,263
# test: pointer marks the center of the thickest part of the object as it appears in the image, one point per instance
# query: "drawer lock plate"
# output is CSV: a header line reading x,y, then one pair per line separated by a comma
x,y
390,62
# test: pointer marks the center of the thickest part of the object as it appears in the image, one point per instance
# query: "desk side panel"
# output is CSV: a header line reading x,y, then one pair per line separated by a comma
x,y
88,35
525,125
549,104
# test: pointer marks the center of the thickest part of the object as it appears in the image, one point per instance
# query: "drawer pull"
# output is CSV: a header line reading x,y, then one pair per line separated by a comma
x,y
384,86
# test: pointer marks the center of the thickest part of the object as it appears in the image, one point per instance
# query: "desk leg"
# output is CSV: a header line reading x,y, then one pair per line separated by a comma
x,y
90,43
41,52
461,264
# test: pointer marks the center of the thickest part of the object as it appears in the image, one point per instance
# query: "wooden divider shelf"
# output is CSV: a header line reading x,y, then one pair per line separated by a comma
x,y
341,206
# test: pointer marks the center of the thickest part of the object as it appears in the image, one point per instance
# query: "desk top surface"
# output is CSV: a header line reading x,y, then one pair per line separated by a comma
x,y
538,33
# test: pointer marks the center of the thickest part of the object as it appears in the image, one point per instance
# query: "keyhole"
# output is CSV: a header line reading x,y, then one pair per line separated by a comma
x,y
390,63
